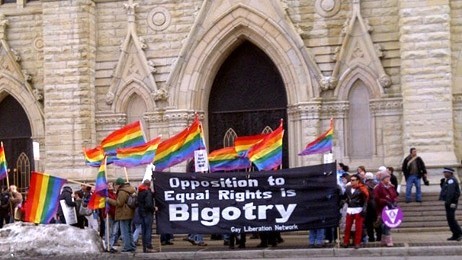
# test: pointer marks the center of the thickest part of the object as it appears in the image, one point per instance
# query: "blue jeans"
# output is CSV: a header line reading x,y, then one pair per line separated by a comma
x,y
146,230
114,236
316,236
127,236
137,232
413,179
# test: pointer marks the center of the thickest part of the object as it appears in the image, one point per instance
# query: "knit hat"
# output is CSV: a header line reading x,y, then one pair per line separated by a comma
x,y
369,176
382,169
384,175
119,181
448,170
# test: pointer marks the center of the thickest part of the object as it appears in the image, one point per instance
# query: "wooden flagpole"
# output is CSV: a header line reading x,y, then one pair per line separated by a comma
x,y
106,209
126,174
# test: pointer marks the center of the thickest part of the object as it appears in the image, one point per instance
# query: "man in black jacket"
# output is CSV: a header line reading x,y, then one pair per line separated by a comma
x,y
146,211
414,169
450,192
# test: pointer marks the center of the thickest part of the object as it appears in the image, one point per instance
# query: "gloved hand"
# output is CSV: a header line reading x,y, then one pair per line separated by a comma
x,y
363,214
453,205
425,180
442,182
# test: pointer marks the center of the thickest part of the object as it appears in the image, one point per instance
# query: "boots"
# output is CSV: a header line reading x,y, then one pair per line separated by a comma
x,y
386,241
383,241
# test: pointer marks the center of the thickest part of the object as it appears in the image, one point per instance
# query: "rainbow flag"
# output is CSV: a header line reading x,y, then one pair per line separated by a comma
x,y
98,198
179,147
267,154
138,155
127,136
93,156
243,143
227,159
3,167
322,144
43,198
97,201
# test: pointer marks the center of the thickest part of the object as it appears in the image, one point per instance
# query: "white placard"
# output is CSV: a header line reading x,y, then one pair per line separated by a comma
x,y
201,161
69,212
36,150
328,158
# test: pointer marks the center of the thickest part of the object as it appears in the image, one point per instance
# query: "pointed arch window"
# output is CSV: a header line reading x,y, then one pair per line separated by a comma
x,y
360,139
228,139
136,108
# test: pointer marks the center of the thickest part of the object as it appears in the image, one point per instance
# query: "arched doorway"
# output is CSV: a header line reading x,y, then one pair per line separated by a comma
x,y
247,96
15,133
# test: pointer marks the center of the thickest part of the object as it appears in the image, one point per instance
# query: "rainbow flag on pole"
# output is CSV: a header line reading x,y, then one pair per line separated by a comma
x,y
3,166
43,198
179,147
243,143
267,154
227,159
127,136
98,198
138,155
322,144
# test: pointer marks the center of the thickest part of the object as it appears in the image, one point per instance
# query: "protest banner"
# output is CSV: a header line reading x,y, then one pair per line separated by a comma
x,y
239,202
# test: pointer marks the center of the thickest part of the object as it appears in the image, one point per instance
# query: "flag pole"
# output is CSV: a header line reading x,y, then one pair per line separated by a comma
x,y
106,209
126,174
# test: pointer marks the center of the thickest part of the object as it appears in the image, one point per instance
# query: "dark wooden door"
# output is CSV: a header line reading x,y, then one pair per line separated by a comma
x,y
247,96
15,134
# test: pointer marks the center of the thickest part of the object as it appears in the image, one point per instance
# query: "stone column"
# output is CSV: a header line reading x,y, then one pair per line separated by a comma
x,y
69,72
426,80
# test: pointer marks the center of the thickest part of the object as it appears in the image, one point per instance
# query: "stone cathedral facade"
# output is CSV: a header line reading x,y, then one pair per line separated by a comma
x,y
388,72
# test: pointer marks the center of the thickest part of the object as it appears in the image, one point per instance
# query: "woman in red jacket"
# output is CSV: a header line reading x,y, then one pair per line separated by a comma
x,y
385,196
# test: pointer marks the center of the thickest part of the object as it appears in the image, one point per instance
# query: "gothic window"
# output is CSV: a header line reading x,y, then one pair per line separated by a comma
x,y
267,130
135,109
359,123
228,139
22,174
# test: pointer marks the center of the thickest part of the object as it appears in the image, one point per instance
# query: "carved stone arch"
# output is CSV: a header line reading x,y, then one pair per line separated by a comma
x,y
133,86
358,72
28,103
204,58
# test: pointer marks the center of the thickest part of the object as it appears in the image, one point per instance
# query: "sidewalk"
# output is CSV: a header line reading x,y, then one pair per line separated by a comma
x,y
295,246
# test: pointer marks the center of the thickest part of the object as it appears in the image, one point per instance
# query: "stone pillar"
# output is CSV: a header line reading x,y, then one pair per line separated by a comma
x,y
426,80
69,72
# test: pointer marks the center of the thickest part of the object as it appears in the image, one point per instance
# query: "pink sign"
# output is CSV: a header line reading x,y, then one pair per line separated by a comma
x,y
392,217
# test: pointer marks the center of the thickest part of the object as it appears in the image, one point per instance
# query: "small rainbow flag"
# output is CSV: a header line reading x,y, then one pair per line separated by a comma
x,y
138,155
42,201
322,144
267,154
98,198
227,159
127,136
3,167
179,147
93,156
243,143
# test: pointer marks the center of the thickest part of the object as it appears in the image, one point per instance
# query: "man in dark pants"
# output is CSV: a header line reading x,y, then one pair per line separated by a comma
x,y
450,192
146,211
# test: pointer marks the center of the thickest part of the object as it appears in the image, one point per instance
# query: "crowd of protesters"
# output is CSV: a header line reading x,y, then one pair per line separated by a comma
x,y
363,197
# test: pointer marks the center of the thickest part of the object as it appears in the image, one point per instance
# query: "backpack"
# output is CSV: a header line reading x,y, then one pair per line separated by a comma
x,y
132,201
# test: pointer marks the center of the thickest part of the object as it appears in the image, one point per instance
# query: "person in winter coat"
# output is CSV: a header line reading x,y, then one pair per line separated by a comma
x,y
66,195
450,193
356,197
146,212
385,196
124,214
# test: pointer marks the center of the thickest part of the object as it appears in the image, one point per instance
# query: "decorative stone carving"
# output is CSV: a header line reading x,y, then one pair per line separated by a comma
x,y
378,50
159,19
386,107
15,54
38,43
328,83
142,43
37,94
26,75
109,98
385,81
327,8
161,94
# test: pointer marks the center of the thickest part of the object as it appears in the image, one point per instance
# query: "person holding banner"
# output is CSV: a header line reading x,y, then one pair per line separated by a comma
x,y
385,197
356,198
450,193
